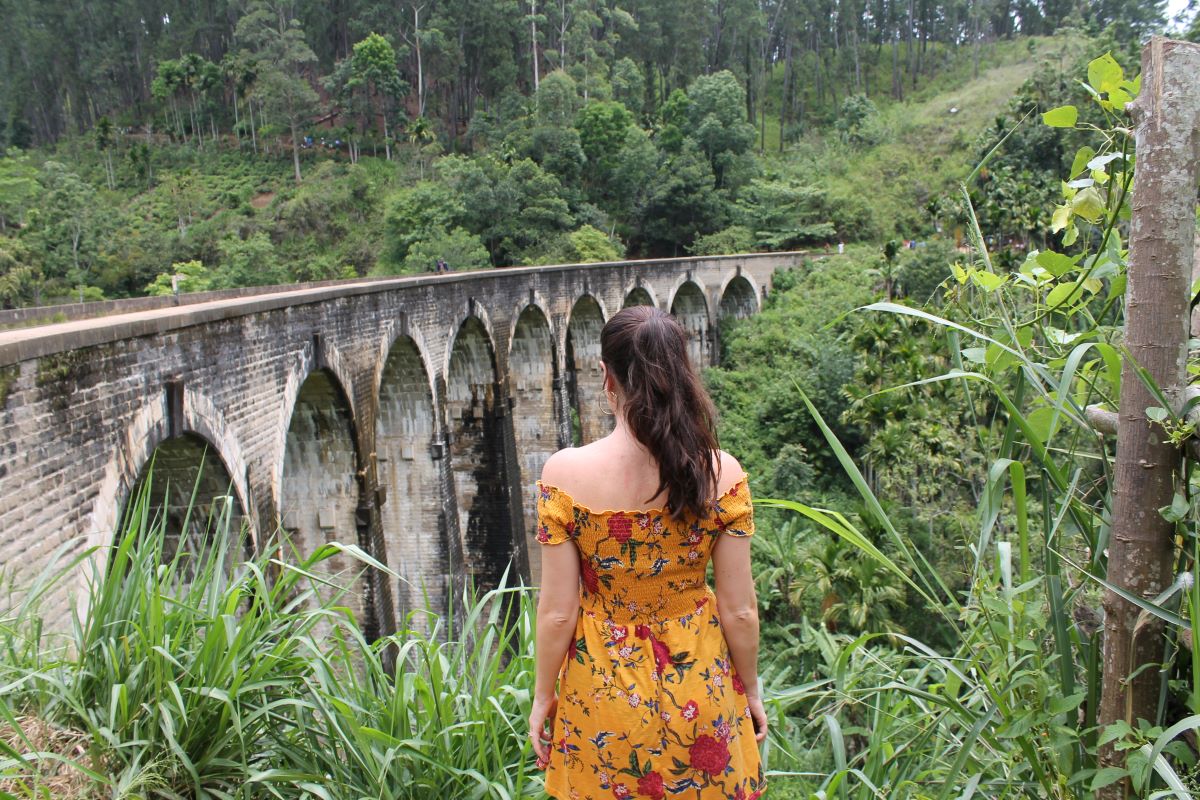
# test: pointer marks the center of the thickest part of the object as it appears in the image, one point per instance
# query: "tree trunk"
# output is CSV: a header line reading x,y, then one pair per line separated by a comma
x,y
1156,335
295,151
897,83
253,129
787,88
533,55
237,136
1195,277
420,67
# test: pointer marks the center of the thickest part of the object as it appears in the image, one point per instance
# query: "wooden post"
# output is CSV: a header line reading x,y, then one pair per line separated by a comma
x,y
1140,550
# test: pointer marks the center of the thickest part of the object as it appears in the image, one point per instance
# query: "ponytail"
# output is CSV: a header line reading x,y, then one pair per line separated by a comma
x,y
665,405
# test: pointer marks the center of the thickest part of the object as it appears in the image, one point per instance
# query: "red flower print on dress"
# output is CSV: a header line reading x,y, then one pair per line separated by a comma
x,y
570,528
738,686
619,632
591,581
739,793
651,785
620,791
709,755
690,710
620,527
662,655
543,534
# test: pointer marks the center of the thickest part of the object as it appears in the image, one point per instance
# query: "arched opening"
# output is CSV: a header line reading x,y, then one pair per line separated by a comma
x,y
638,297
531,369
585,385
320,489
737,302
192,495
405,429
692,312
477,455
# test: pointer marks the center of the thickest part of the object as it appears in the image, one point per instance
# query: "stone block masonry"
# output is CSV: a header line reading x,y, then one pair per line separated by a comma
x,y
409,416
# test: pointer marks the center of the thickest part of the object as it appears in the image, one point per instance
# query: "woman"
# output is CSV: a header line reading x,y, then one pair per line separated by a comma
x,y
656,696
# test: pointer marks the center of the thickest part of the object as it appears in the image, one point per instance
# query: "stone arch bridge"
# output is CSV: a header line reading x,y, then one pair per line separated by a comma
x,y
408,415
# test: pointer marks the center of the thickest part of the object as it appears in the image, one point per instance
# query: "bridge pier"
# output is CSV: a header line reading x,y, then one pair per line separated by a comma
x,y
532,377
319,500
406,435
585,385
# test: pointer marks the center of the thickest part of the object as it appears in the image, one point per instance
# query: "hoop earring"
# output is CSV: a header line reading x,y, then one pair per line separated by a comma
x,y
606,408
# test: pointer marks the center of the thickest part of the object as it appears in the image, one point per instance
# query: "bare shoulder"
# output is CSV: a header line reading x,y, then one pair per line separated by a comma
x,y
729,472
566,468
559,467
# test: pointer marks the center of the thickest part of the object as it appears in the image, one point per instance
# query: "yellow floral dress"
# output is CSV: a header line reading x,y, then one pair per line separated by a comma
x,y
649,705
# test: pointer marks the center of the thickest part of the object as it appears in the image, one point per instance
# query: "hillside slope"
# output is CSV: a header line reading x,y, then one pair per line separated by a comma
x,y
223,217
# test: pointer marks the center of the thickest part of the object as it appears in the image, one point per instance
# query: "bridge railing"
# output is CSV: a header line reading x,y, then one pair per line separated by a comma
x,y
47,315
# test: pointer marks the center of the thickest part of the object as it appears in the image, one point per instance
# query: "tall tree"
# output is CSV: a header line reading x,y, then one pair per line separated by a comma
x,y
368,84
1141,548
274,40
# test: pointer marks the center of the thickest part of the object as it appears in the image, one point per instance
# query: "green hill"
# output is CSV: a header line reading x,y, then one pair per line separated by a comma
x,y
549,178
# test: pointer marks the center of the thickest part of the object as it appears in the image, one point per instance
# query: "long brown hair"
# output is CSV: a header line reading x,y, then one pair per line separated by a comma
x,y
666,406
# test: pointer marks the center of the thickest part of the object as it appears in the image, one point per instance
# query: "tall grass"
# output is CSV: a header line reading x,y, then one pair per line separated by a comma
x,y
202,678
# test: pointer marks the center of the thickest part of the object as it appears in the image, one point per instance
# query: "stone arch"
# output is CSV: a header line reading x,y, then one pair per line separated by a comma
x,y
190,490
585,386
640,294
689,306
149,429
738,300
476,314
201,416
304,362
320,486
532,378
739,297
406,431
475,412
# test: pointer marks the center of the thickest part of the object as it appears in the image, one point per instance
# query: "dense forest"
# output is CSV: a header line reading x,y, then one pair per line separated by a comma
x,y
265,142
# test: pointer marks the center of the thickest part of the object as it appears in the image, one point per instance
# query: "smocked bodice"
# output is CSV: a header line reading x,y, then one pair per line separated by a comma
x,y
642,565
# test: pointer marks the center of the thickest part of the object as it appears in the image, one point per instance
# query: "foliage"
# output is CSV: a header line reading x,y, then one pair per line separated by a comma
x,y
734,239
681,204
785,215
368,83
203,675
248,262
632,168
186,276
716,119
858,121
590,245
1007,704
459,248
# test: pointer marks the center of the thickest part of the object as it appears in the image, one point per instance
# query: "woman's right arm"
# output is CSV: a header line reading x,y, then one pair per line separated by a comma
x,y
737,606
557,616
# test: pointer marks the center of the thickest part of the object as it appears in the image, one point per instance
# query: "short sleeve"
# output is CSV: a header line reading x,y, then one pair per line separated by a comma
x,y
735,510
555,516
